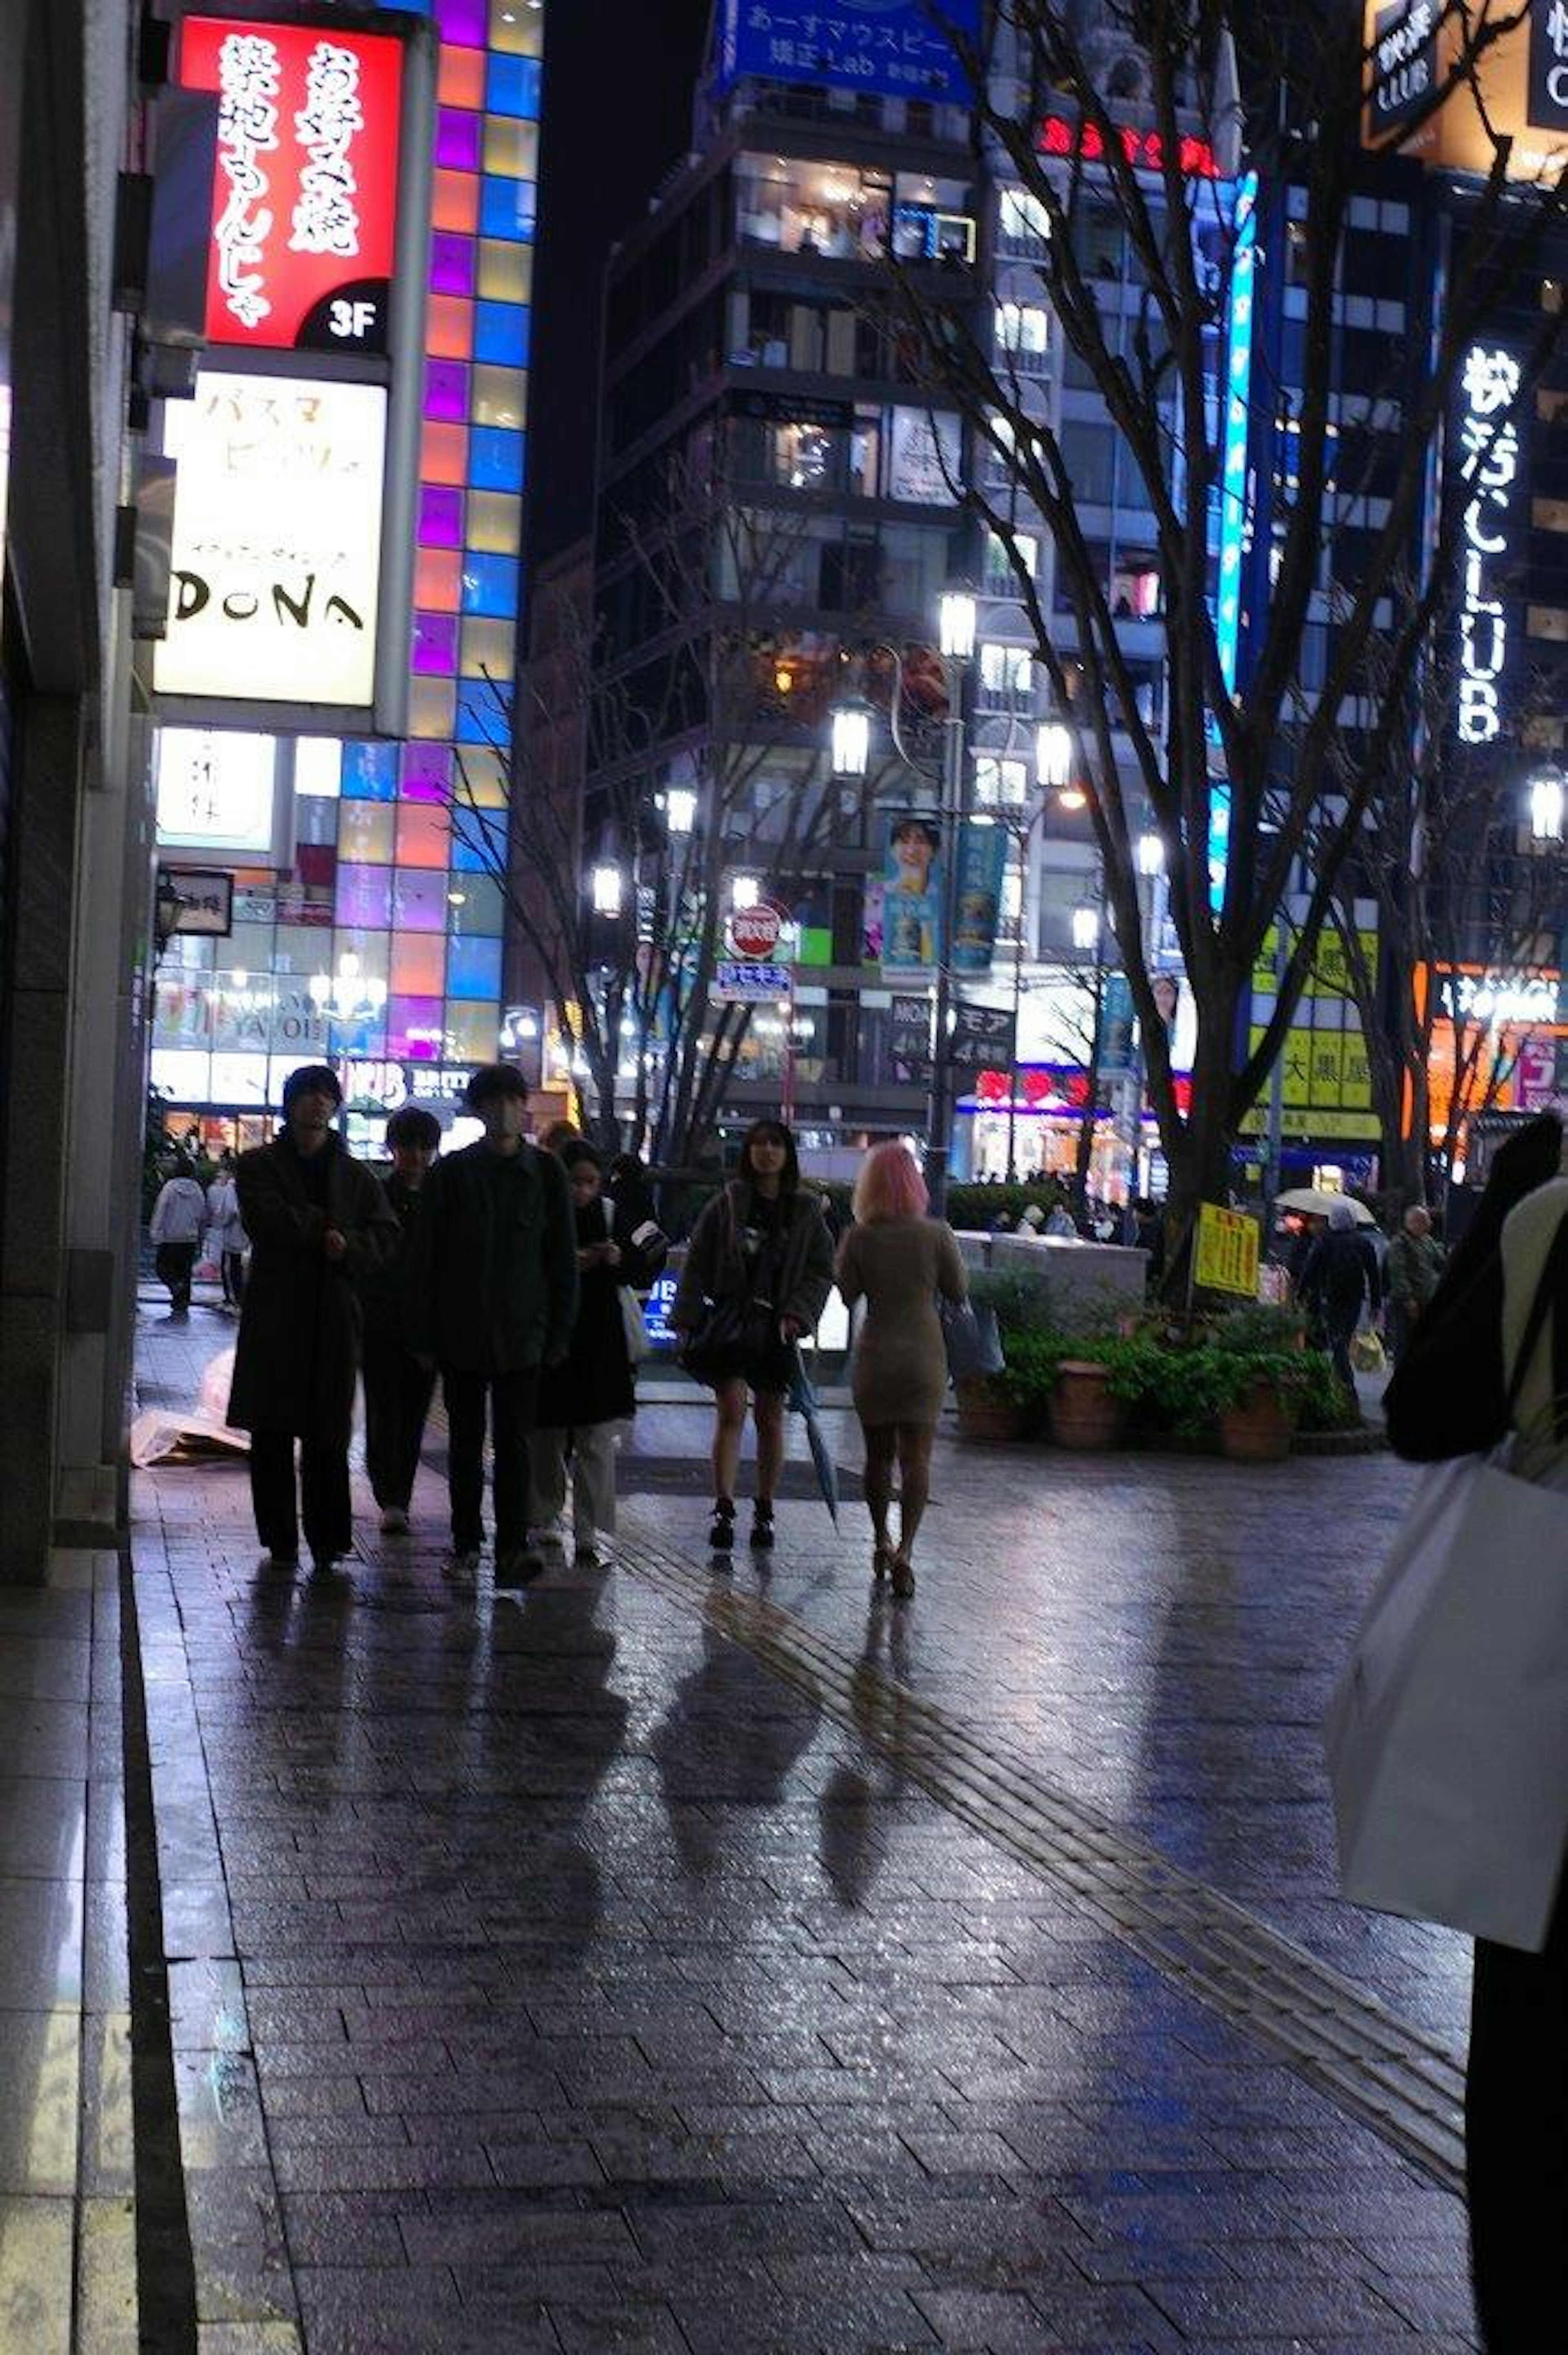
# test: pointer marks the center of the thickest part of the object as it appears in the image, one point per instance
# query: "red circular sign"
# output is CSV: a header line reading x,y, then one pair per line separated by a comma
x,y
754,931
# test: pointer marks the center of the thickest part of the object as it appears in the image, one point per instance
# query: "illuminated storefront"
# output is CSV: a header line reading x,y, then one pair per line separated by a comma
x,y
366,933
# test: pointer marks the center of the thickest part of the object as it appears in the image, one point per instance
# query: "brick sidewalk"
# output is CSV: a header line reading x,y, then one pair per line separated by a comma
x,y
637,1964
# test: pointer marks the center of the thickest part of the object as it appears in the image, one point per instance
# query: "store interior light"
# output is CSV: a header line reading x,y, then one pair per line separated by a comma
x,y
1547,805
956,623
1086,928
851,736
1054,756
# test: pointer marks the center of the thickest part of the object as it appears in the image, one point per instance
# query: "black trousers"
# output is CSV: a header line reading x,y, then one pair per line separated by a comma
x,y
397,1401
232,1264
173,1263
511,1399
1516,2088
324,1501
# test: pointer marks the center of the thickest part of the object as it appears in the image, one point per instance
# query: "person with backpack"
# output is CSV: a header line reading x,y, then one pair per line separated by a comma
x,y
758,1268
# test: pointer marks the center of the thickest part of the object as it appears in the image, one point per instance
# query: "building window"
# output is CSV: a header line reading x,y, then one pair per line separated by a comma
x,y
1000,782
1023,333
1006,679
1000,571
1022,224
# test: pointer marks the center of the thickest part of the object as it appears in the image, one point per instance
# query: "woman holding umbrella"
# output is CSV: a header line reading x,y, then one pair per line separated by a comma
x,y
898,1260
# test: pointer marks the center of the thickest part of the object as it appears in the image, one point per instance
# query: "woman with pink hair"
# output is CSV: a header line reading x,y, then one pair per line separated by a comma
x,y
897,1260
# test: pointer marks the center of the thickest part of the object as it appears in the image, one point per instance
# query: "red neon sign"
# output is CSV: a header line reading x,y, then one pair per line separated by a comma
x,y
1060,134
305,201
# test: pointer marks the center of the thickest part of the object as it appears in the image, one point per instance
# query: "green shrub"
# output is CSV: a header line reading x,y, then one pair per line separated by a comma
x,y
975,1209
1259,1324
1019,1298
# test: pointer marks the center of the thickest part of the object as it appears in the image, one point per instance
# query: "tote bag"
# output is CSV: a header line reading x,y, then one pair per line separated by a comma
x,y
1447,1734
973,1337
631,1325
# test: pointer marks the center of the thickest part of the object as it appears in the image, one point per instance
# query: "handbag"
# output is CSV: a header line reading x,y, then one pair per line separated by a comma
x,y
1447,1735
972,1336
633,1330
737,1333
1367,1352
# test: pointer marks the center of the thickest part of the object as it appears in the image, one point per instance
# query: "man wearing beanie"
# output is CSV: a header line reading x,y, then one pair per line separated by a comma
x,y
491,1294
317,1220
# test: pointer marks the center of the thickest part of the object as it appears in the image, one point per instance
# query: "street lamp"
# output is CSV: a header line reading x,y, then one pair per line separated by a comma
x,y
1054,755
745,891
1150,855
955,624
1085,929
680,809
607,891
1546,805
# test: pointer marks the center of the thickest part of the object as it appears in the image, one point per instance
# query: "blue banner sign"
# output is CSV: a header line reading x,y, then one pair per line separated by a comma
x,y
887,48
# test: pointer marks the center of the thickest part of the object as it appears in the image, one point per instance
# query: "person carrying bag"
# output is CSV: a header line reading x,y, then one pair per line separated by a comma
x,y
1449,1734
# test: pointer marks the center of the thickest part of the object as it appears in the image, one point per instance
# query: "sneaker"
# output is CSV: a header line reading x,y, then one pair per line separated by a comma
x,y
394,1522
462,1563
762,1527
721,1529
517,1565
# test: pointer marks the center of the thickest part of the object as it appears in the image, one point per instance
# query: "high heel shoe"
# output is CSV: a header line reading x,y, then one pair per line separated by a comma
x,y
902,1577
881,1561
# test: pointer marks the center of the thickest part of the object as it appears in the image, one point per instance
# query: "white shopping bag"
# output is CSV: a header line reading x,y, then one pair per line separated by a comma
x,y
1447,1734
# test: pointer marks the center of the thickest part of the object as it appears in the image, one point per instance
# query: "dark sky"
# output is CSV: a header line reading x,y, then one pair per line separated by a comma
x,y
619,76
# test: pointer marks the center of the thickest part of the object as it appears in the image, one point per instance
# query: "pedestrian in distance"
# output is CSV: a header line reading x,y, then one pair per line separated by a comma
x,y
397,1383
1411,1270
491,1294
1449,1397
583,1404
318,1224
898,1260
226,1231
179,1215
758,1268
1340,1282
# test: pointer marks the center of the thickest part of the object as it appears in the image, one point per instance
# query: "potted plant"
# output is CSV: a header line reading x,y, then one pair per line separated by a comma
x,y
1005,1406
1096,1381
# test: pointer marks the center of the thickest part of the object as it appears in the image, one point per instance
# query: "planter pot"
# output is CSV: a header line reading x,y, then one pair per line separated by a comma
x,y
986,1413
1258,1429
1082,1413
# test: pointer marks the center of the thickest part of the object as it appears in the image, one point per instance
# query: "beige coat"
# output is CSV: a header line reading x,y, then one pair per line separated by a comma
x,y
899,1266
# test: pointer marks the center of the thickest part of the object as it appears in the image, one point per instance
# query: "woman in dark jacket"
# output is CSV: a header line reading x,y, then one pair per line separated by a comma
x,y
583,1399
1462,1385
398,1384
758,1270
317,1220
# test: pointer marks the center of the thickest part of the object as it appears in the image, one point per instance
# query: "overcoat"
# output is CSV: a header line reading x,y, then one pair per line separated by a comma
x,y
297,1358
595,1384
716,1267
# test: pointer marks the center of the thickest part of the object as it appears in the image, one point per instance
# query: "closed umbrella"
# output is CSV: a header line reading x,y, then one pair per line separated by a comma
x,y
802,1400
1317,1201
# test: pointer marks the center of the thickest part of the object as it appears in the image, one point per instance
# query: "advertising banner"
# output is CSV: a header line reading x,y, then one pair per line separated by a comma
x,y
982,860
1118,1031
909,1041
888,49
904,904
738,982
1485,432
277,542
304,200
1518,90
924,457
983,1038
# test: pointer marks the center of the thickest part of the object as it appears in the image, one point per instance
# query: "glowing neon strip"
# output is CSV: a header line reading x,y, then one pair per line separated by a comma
x,y
1233,499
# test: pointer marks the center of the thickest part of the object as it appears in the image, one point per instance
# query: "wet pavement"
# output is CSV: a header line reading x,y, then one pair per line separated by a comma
x,y
665,1960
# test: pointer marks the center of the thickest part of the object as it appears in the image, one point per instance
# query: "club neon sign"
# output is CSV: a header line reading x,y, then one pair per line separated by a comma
x,y
1488,465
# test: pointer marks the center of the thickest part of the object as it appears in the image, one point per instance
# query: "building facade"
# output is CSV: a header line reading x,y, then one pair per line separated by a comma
x,y
368,931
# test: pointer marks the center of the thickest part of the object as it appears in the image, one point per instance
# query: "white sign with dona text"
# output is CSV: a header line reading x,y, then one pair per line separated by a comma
x,y
275,573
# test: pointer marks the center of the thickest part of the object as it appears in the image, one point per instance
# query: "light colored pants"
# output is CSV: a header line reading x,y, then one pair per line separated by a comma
x,y
592,1459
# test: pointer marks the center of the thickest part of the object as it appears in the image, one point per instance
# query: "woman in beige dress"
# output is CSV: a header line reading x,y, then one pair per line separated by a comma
x,y
897,1260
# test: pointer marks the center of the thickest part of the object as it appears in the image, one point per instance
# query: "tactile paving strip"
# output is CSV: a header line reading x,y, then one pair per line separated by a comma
x,y
1408,2089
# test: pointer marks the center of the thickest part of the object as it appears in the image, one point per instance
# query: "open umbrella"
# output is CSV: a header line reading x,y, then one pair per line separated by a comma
x,y
802,1400
1317,1201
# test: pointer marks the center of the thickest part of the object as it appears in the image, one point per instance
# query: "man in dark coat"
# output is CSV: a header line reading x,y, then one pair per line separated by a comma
x,y
493,1290
1340,1276
398,1384
317,1220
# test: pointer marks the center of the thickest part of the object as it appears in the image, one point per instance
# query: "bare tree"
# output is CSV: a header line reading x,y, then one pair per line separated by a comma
x,y
695,765
1234,96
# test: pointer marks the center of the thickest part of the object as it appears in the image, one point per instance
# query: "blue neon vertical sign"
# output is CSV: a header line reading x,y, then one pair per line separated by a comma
x,y
1233,499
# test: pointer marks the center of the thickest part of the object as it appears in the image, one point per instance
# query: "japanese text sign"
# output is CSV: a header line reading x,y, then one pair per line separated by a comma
x,y
1433,92
890,48
305,203
275,574
1486,453
1227,1252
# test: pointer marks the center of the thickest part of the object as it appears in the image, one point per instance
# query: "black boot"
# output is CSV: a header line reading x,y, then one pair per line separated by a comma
x,y
762,1524
721,1530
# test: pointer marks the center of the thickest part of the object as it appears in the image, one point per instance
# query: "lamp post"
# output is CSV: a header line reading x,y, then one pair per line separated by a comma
x,y
1086,930
957,642
1547,804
